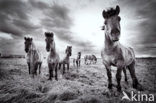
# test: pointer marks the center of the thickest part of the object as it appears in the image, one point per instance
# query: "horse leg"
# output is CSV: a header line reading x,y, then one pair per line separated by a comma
x,y
59,66
63,68
56,66
136,84
28,67
40,64
73,62
109,75
118,78
50,71
77,63
68,66
124,71
35,68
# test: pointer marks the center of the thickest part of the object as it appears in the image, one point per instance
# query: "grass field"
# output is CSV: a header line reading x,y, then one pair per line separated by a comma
x,y
89,85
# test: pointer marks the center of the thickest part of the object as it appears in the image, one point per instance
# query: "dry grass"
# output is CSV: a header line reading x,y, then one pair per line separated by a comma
x,y
88,85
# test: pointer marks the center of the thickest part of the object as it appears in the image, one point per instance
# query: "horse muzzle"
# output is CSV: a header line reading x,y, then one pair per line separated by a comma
x,y
26,50
47,49
116,39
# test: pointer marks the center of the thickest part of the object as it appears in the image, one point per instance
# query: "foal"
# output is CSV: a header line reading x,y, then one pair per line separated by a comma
x,y
53,58
114,53
34,59
66,59
77,60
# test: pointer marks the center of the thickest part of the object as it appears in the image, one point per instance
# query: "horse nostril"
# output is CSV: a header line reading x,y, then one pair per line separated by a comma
x,y
26,50
47,49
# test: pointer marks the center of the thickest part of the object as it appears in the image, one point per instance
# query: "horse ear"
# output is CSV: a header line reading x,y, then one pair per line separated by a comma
x,y
52,34
45,34
117,9
104,14
66,51
103,27
25,38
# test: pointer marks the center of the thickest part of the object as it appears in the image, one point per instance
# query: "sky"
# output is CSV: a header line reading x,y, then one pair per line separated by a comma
x,y
77,23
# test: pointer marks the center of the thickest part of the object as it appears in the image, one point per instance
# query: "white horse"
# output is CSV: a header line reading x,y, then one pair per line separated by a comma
x,y
34,58
53,58
115,53
66,59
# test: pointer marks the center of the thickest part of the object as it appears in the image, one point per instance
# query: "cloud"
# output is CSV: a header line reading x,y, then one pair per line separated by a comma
x,y
142,26
14,17
18,18
58,19
34,17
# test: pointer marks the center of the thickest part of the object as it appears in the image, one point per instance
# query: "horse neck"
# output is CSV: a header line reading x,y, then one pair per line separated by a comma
x,y
32,48
67,56
109,45
79,56
53,50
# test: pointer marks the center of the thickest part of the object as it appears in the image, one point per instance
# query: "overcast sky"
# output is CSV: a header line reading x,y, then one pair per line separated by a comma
x,y
77,23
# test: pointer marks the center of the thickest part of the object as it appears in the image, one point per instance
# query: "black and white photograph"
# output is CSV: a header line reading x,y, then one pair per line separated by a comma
x,y
77,51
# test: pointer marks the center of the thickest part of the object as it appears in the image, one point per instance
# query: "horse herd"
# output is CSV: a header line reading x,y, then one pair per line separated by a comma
x,y
113,53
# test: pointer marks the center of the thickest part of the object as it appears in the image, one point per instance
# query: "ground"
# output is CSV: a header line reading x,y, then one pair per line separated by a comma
x,y
87,84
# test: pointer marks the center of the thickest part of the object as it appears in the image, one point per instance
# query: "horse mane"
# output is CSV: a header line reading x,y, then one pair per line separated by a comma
x,y
111,12
49,34
33,47
54,49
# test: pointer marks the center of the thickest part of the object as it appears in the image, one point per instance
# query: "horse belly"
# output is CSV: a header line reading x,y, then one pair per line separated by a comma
x,y
128,56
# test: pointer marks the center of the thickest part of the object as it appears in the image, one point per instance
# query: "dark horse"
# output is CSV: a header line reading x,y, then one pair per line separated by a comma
x,y
53,58
114,53
34,59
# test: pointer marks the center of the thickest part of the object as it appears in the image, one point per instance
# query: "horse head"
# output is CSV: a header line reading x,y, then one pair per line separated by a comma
x,y
49,41
69,50
79,54
28,43
112,23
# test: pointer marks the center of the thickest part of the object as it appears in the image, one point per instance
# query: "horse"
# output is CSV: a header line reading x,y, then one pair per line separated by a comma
x,y
66,59
114,53
77,60
90,59
33,56
53,57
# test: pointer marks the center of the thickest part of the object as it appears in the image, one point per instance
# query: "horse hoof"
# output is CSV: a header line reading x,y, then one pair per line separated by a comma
x,y
138,87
